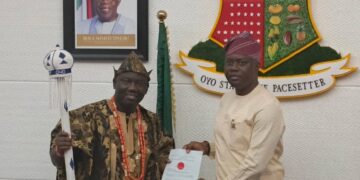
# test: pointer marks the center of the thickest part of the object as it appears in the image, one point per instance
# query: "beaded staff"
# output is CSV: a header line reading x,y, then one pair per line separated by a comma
x,y
59,63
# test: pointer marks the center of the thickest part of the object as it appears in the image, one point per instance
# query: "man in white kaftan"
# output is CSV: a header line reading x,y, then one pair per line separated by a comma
x,y
249,124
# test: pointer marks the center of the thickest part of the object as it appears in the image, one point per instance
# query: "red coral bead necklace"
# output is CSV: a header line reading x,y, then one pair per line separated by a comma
x,y
141,136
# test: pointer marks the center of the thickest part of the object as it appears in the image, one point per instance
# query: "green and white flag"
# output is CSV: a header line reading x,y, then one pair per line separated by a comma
x,y
165,96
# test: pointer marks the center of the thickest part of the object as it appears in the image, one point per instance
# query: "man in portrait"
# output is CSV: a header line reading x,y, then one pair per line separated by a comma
x,y
107,20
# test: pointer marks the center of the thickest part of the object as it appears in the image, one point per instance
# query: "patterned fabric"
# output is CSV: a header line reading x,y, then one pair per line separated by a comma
x,y
133,63
243,45
97,151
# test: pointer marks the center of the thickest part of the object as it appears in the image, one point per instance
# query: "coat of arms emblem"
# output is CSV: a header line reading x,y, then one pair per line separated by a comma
x,y
293,63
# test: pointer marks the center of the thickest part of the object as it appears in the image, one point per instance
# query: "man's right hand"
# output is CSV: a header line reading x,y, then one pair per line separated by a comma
x,y
199,146
62,143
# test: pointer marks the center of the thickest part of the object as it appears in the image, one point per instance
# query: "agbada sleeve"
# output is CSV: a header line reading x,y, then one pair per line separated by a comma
x,y
165,145
82,127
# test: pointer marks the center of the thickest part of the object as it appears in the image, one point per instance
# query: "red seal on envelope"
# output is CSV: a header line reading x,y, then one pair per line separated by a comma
x,y
180,165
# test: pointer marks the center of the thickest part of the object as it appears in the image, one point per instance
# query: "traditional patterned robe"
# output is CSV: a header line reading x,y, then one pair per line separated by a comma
x,y
97,149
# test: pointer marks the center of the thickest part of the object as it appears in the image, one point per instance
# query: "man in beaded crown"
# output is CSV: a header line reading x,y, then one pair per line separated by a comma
x,y
115,138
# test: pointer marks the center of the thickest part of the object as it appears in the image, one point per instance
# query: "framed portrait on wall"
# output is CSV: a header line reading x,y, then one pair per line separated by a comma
x,y
106,29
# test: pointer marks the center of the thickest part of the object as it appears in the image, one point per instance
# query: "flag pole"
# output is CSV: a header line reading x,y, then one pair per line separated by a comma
x,y
165,97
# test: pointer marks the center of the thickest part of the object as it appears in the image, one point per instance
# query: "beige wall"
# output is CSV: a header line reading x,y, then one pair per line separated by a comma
x,y
322,134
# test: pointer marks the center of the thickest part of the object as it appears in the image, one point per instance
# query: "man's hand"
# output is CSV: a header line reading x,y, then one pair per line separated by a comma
x,y
62,143
199,146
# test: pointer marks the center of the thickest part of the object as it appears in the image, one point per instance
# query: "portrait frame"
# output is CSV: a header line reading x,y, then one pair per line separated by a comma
x,y
105,53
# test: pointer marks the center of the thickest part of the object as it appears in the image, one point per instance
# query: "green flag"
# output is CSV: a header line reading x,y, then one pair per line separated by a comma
x,y
164,93
78,3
